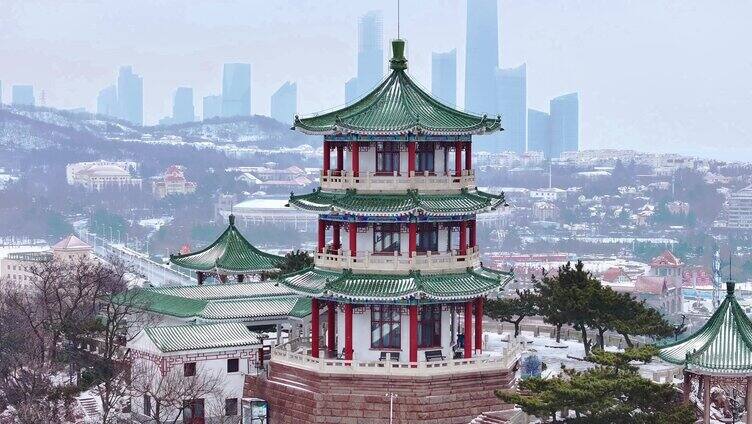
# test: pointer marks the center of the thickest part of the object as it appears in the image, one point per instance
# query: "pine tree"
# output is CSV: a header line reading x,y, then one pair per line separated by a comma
x,y
513,309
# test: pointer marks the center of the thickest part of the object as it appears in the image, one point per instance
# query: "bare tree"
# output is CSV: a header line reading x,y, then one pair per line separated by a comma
x,y
170,391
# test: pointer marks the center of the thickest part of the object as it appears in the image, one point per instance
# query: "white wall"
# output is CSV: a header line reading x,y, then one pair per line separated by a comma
x,y
362,335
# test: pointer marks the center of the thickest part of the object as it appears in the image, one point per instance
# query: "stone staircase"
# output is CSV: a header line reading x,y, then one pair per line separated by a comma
x,y
90,407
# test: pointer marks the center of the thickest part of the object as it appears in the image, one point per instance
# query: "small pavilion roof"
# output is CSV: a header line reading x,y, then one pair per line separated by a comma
x,y
71,243
722,346
351,202
469,284
230,253
397,106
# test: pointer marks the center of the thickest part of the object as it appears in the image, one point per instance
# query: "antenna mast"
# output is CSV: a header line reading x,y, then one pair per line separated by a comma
x,y
398,19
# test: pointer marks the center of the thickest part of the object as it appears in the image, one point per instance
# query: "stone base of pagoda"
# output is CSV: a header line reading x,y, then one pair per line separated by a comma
x,y
298,395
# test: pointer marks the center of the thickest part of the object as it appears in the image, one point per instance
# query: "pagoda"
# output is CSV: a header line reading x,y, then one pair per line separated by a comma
x,y
397,287
717,355
230,254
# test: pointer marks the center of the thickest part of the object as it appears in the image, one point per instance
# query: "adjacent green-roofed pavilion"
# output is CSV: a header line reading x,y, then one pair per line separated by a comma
x,y
719,352
397,204
397,106
471,283
230,254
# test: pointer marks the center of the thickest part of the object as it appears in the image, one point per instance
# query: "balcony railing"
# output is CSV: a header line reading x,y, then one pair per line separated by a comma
x,y
296,353
385,263
370,181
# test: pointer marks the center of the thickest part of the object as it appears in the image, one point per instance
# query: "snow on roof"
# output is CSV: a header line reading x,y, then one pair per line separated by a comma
x,y
71,243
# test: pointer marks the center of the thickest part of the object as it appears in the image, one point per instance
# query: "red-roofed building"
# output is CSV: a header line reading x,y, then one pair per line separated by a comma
x,y
173,182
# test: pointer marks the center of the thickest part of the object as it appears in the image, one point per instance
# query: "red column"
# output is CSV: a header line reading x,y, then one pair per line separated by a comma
x,y
469,329
336,242
327,157
330,326
479,323
458,159
322,235
348,331
315,327
468,156
352,232
473,234
412,238
340,158
355,150
413,313
410,158
463,238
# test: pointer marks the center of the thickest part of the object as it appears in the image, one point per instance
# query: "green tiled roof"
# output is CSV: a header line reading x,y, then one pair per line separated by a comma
x,y
398,106
397,204
243,309
722,346
365,287
201,336
231,253
225,291
166,304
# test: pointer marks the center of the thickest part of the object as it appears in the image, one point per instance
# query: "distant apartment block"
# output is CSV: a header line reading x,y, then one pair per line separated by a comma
x,y
107,101
212,107
740,209
23,95
444,76
17,268
285,102
130,96
102,175
173,182
236,89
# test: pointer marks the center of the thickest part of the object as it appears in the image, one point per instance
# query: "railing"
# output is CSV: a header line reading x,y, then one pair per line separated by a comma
x,y
375,263
295,353
371,181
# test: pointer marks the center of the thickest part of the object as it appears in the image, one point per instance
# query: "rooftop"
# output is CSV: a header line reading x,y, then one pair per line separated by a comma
x,y
201,336
231,253
397,106
722,346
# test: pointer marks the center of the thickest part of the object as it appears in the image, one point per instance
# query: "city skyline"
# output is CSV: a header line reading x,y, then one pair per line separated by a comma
x,y
670,105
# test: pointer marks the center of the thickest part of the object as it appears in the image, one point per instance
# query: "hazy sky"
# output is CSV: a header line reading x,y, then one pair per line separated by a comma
x,y
664,76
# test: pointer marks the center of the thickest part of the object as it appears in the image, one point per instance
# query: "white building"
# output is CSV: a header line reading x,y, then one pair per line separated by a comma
x,y
101,174
740,209
549,194
168,360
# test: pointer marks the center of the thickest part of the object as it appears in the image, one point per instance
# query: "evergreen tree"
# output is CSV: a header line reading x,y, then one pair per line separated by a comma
x,y
610,392
513,310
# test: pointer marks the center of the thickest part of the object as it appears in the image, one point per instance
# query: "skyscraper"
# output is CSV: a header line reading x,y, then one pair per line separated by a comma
x,y
130,95
23,95
482,56
107,103
370,55
285,102
565,125
236,89
511,98
444,76
182,106
539,132
351,90
212,106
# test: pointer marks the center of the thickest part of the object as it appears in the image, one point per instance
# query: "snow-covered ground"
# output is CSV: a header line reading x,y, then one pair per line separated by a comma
x,y
568,352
